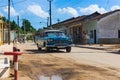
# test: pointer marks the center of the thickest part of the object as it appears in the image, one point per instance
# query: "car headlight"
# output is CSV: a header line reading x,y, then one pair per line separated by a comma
x,y
49,40
70,40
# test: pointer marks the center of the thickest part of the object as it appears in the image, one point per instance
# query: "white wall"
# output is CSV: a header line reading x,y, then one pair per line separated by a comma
x,y
13,35
88,27
108,26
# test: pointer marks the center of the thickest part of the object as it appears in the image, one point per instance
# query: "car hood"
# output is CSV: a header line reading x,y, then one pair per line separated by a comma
x,y
57,37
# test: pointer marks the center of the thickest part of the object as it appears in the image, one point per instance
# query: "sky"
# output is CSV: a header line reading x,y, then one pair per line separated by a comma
x,y
37,11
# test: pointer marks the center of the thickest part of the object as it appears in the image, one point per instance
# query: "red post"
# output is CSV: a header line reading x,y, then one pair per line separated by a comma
x,y
15,55
16,66
14,50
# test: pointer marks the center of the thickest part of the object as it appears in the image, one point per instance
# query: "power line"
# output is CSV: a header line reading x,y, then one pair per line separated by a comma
x,y
71,3
90,2
20,2
14,3
107,4
75,3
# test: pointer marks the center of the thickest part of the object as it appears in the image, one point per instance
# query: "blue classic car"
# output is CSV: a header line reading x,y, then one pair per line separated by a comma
x,y
53,39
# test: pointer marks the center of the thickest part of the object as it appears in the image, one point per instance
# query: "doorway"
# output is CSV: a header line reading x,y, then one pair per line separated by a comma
x,y
95,36
118,33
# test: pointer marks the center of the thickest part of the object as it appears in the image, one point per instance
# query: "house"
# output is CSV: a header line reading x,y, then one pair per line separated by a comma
x,y
4,33
74,27
1,31
101,28
104,28
4,61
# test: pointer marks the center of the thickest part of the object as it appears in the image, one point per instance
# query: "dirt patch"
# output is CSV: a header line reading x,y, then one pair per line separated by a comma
x,y
41,64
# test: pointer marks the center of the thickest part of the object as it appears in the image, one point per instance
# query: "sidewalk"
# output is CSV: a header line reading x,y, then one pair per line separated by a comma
x,y
93,46
5,60
105,47
6,47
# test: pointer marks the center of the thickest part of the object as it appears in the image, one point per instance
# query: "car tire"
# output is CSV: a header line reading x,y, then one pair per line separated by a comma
x,y
47,49
68,49
39,48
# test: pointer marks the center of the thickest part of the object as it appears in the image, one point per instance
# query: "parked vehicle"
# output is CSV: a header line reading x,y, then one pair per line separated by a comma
x,y
53,39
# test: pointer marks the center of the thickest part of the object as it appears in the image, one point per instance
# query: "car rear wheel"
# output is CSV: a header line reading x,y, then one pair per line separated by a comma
x,y
68,49
39,48
48,49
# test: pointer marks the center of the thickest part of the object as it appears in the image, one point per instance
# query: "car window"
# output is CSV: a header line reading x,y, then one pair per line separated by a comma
x,y
60,34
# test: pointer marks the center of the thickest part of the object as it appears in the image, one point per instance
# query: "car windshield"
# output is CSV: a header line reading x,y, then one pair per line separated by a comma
x,y
60,34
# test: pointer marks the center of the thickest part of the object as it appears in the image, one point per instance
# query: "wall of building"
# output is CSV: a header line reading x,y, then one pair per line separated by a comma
x,y
13,35
109,40
108,28
90,28
1,32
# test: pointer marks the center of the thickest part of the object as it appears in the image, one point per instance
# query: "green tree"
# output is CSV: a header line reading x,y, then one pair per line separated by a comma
x,y
27,26
15,27
4,19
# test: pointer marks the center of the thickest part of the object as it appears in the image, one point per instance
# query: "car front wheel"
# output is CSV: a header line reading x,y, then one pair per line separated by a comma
x,y
39,48
68,49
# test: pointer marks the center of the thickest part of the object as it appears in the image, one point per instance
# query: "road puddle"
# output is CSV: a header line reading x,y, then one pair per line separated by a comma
x,y
53,77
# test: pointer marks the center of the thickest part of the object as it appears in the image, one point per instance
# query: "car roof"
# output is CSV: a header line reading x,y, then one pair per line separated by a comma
x,y
52,31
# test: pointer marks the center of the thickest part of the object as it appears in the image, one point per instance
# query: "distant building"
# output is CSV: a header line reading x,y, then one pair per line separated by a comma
x,y
104,28
1,31
4,33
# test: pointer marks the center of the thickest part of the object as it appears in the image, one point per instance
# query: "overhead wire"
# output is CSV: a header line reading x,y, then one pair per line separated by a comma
x,y
18,2
71,3
107,3
75,3
12,3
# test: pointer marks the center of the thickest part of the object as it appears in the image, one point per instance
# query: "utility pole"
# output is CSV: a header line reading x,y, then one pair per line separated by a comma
x,y
50,11
18,26
9,22
24,30
24,27
47,21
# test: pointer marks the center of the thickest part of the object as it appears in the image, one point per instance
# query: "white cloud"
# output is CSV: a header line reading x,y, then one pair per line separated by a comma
x,y
37,10
115,7
69,10
91,9
12,11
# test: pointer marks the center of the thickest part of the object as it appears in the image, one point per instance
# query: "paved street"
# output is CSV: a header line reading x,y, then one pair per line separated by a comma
x,y
99,57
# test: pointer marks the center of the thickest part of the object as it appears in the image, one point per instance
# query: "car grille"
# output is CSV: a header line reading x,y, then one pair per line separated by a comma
x,y
61,41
